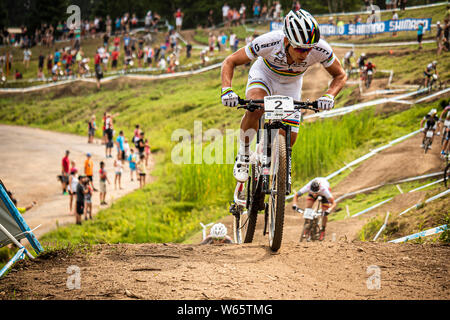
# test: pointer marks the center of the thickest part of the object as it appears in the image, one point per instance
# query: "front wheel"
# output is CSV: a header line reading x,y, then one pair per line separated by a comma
x,y
427,144
278,192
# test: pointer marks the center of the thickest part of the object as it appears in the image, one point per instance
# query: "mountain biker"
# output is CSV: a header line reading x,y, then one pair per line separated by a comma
x,y
361,64
282,57
315,188
347,60
428,73
218,234
446,132
369,66
431,121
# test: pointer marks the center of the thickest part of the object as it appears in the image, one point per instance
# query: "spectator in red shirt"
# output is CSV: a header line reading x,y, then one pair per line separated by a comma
x,y
98,67
114,58
65,172
116,42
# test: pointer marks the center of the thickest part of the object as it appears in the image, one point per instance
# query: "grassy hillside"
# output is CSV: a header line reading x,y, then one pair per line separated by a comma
x,y
171,208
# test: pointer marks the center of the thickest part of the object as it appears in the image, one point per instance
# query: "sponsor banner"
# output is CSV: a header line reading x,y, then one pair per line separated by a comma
x,y
362,29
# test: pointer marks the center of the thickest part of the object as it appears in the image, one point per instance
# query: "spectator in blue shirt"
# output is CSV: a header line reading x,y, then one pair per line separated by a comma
x,y
420,34
120,147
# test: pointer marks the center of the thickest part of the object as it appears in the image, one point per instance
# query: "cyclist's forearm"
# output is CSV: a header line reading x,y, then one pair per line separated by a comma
x,y
227,73
337,84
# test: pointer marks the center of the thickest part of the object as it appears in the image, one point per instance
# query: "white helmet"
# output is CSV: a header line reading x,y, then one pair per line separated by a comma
x,y
363,54
301,29
218,231
434,62
432,111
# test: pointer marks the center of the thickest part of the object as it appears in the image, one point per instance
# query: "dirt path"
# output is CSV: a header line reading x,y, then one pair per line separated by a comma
x,y
327,270
31,160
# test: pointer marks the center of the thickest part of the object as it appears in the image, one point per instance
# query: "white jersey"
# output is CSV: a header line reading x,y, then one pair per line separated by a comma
x,y
269,49
324,190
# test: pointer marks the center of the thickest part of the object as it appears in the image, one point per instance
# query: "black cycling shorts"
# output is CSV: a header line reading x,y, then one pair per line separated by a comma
x,y
80,208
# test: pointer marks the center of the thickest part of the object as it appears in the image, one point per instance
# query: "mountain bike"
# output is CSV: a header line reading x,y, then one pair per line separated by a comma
x,y
369,77
313,221
434,83
270,171
428,140
444,132
447,171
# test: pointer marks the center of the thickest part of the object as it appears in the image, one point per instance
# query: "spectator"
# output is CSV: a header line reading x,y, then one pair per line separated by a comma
x,y
89,170
420,34
21,210
256,10
242,11
446,34
225,9
126,147
296,5
148,21
263,13
65,172
87,201
395,17
233,41
403,4
439,37
114,58
109,135
120,147
211,19
141,171
188,49
41,60
178,19
140,144
98,68
82,182
26,58
118,169
91,129
73,182
103,180
147,152
132,164
18,75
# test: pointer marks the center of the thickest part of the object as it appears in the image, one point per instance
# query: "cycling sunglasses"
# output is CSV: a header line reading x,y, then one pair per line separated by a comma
x,y
302,50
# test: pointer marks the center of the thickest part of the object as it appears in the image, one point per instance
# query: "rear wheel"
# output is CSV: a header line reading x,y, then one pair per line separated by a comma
x,y
305,231
278,192
426,144
447,176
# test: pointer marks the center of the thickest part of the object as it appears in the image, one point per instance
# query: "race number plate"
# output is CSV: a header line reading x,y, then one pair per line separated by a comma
x,y
447,123
429,134
278,107
308,214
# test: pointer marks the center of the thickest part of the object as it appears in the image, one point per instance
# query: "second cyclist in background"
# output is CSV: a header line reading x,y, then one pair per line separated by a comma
x,y
315,188
431,121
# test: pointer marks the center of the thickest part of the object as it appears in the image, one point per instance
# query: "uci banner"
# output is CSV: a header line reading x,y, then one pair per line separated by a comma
x,y
362,29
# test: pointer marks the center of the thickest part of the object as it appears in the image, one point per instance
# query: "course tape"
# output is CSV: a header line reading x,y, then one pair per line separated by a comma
x,y
382,44
425,233
372,207
440,195
382,227
133,76
396,182
384,10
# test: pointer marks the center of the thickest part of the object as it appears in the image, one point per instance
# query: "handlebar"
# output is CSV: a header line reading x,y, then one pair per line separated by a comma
x,y
252,105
